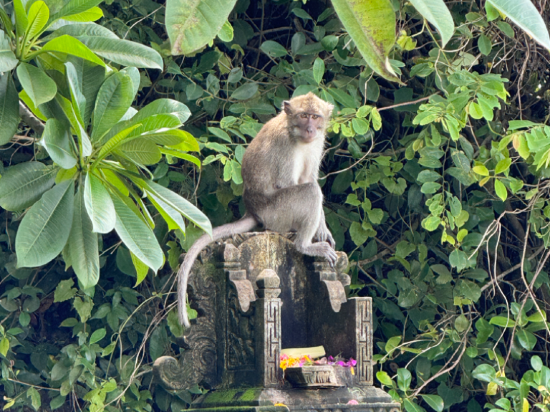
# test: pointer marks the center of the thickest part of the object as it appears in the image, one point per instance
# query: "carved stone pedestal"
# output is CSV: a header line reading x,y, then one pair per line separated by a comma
x,y
255,294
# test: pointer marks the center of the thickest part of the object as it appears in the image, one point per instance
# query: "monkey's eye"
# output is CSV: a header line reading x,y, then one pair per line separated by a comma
x,y
314,116
303,115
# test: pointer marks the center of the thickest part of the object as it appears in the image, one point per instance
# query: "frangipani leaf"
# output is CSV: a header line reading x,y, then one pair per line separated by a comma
x,y
437,13
82,247
526,16
45,228
191,25
371,25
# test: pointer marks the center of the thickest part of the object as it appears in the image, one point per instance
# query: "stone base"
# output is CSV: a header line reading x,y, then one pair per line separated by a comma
x,y
370,399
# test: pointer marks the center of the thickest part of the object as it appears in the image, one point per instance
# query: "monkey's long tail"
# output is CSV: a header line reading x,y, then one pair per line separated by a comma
x,y
246,224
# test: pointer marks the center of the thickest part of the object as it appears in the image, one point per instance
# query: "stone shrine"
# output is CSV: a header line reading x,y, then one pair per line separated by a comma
x,y
255,294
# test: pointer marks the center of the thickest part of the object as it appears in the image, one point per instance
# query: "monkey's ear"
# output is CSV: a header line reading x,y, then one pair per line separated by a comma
x,y
287,107
330,107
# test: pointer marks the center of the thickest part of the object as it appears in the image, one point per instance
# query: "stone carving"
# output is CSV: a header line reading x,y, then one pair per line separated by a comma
x,y
255,294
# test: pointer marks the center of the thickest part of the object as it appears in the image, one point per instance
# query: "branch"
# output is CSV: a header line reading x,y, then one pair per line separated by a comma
x,y
30,119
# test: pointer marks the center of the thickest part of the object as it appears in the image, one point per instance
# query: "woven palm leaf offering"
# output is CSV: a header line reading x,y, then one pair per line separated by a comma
x,y
311,368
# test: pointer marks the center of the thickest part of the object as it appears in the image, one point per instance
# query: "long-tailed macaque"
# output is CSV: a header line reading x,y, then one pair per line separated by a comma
x,y
280,169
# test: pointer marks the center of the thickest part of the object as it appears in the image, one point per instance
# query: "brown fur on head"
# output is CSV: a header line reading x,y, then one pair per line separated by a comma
x,y
307,116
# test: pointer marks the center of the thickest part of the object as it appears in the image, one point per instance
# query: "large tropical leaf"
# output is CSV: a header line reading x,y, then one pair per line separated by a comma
x,y
69,45
57,141
137,236
8,61
45,228
169,214
85,29
191,25
140,151
93,14
74,119
82,246
113,100
75,88
371,25
525,15
161,106
39,13
38,85
9,108
99,205
180,204
90,77
23,184
74,7
437,13
123,52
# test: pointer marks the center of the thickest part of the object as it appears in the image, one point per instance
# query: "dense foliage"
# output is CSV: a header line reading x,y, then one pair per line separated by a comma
x,y
435,187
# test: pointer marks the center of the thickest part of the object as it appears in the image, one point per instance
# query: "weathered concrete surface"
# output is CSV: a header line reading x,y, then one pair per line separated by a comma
x,y
255,294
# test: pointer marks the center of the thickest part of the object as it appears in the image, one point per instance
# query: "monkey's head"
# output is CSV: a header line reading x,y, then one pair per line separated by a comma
x,y
307,117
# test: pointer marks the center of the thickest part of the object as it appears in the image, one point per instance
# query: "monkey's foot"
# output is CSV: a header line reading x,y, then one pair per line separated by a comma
x,y
324,236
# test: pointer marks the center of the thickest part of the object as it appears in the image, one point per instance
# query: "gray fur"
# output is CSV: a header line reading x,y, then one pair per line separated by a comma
x,y
280,169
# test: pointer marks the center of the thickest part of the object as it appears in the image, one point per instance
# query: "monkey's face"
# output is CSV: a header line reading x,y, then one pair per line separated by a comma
x,y
309,126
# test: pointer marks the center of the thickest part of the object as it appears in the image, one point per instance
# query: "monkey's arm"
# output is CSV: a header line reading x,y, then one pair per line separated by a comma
x,y
246,224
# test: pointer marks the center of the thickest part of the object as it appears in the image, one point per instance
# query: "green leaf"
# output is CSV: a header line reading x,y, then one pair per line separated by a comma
x,y
245,92
136,235
8,61
358,234
526,339
500,190
484,44
319,70
191,26
371,25
73,7
503,165
226,32
4,346
536,363
404,378
113,100
125,52
164,106
69,45
82,247
435,402
437,13
39,13
23,184
458,259
93,14
502,321
9,108
273,49
64,291
526,16
141,151
56,139
411,406
169,214
97,335
75,88
44,231
21,20
180,204
99,205
384,378
481,170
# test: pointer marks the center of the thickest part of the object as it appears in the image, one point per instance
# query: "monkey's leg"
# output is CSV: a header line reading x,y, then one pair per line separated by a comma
x,y
323,233
299,208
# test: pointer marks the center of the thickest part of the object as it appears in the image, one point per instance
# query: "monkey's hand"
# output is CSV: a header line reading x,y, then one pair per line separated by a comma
x,y
324,235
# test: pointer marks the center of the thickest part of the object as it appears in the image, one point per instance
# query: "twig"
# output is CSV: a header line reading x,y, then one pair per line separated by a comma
x,y
30,119
407,103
